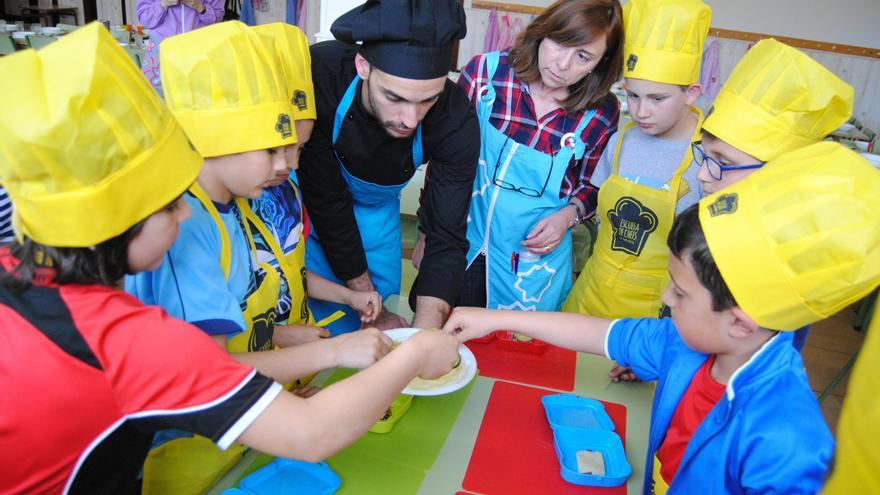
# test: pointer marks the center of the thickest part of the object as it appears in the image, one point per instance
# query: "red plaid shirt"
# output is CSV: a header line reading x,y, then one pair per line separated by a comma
x,y
513,113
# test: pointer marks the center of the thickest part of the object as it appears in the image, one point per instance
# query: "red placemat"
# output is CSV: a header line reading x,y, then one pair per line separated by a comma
x,y
514,450
554,368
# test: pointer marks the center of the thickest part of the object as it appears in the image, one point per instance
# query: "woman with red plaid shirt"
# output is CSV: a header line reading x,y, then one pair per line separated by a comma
x,y
546,113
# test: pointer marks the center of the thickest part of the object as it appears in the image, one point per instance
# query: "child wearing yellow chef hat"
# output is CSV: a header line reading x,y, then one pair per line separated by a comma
x,y
96,166
226,88
281,224
646,173
733,411
777,99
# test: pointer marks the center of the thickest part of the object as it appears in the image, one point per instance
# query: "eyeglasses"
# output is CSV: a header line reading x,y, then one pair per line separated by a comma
x,y
526,191
716,169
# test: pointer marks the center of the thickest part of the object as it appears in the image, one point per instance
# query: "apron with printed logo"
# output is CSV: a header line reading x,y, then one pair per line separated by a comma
x,y
628,271
190,465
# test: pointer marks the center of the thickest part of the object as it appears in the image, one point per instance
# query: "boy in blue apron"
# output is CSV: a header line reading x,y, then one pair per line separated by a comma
x,y
384,108
733,411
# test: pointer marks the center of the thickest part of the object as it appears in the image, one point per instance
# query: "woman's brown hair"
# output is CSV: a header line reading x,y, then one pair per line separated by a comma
x,y
573,23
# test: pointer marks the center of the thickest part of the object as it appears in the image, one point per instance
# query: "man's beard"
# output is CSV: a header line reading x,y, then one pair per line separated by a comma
x,y
388,125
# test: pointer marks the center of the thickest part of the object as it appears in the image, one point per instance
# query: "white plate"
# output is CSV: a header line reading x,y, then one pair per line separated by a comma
x,y
846,127
448,383
51,31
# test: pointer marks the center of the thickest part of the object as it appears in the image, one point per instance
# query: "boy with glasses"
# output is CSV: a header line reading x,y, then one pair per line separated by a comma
x,y
776,100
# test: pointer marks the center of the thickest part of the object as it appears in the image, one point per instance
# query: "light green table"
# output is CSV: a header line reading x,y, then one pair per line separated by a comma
x,y
447,473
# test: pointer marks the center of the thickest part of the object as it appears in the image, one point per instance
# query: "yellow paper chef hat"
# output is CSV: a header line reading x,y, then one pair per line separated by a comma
x,y
800,239
664,39
292,49
87,147
226,88
778,99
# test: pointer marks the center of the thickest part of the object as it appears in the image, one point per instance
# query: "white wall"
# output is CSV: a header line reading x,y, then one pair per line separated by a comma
x,y
851,22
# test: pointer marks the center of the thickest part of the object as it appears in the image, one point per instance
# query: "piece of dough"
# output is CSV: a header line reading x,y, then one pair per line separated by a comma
x,y
590,462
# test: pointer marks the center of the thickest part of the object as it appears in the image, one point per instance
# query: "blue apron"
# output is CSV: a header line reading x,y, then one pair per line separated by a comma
x,y
500,218
377,212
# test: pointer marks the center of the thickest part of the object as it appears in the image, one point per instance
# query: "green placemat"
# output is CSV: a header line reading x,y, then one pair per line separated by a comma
x,y
417,438
369,475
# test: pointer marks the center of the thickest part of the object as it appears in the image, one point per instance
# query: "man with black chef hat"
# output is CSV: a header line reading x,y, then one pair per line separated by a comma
x,y
384,107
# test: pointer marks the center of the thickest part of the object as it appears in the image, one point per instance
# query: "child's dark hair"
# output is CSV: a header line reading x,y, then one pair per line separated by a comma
x,y
104,264
686,239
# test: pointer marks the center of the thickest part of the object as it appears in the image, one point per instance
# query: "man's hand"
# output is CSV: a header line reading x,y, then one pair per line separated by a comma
x,y
431,312
388,320
168,3
419,251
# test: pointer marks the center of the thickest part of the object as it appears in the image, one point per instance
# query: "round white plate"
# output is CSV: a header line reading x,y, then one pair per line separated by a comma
x,y
448,383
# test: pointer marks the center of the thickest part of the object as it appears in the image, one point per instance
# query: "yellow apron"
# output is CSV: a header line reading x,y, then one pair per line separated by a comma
x,y
627,272
191,465
291,265
658,484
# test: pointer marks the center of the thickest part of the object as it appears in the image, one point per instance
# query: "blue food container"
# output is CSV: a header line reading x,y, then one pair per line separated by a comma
x,y
568,441
580,423
291,477
576,412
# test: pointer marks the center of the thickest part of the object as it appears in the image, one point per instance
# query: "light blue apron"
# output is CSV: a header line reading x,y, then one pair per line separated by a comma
x,y
377,212
500,218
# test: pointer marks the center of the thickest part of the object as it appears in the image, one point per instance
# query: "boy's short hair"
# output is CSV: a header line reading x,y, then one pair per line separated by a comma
x,y
687,239
104,264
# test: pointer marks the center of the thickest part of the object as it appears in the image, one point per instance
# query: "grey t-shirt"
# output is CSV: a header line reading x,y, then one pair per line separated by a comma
x,y
650,161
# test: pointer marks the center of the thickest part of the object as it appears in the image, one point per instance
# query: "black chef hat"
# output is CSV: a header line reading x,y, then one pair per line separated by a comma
x,y
405,38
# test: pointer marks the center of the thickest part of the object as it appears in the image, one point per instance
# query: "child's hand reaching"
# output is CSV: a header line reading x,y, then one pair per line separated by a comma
x,y
289,335
367,303
470,323
621,374
361,349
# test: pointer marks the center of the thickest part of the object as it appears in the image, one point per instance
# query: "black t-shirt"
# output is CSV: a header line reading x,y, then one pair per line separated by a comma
x,y
450,143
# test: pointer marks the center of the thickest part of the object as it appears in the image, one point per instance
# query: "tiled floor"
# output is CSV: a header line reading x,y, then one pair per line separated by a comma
x,y
829,347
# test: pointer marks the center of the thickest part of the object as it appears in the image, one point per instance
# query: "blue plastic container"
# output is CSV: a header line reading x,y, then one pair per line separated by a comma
x,y
290,477
568,441
580,423
576,412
